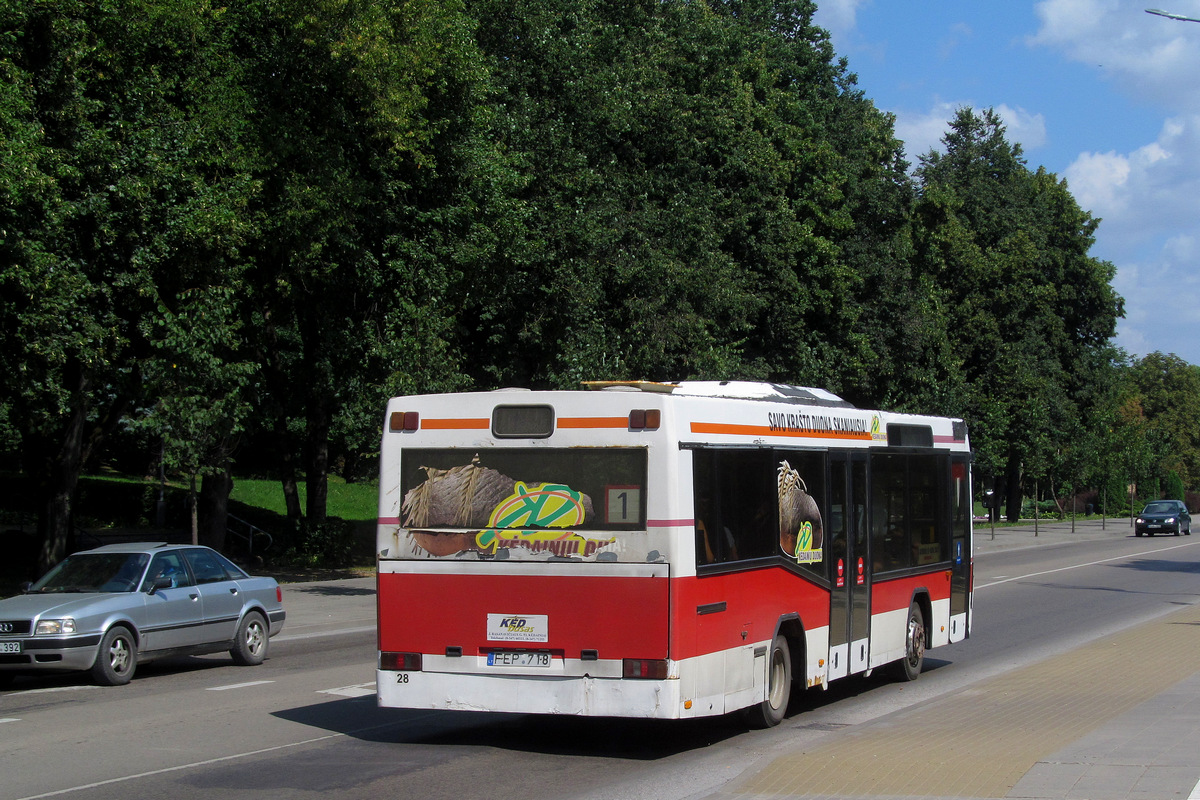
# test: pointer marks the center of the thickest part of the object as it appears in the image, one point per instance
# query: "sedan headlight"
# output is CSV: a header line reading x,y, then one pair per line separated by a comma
x,y
1140,521
1170,520
53,627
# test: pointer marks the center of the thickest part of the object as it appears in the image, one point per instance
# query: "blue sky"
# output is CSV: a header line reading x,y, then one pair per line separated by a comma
x,y
1096,91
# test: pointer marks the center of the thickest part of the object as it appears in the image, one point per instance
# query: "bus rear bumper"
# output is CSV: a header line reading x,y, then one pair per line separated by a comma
x,y
571,695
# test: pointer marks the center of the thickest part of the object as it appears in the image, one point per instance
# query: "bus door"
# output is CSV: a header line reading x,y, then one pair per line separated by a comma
x,y
960,548
849,566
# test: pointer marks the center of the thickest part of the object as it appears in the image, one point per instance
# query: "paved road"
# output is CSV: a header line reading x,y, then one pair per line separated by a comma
x,y
1096,722
1098,719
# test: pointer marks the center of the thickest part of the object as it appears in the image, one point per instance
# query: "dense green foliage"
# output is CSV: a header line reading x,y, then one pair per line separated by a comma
x,y
228,234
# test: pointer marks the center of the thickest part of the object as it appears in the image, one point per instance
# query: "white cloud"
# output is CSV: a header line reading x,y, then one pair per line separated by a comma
x,y
1145,196
839,17
1181,248
1153,58
922,132
1160,302
1149,204
1066,21
1022,126
1097,181
1148,198
960,32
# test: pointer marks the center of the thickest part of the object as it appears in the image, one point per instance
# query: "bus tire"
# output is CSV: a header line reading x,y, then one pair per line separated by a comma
x,y
909,667
771,710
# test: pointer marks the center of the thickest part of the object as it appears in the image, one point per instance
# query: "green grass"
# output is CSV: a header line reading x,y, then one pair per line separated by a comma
x,y
110,500
349,501
113,501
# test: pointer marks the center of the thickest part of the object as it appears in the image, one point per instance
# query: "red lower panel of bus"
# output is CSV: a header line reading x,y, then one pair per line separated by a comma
x,y
616,617
723,611
897,593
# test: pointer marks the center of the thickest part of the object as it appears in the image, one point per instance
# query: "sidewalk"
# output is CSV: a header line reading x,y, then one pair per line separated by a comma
x,y
1084,725
328,608
1047,532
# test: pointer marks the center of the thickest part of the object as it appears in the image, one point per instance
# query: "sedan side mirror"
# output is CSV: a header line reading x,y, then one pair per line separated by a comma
x,y
161,582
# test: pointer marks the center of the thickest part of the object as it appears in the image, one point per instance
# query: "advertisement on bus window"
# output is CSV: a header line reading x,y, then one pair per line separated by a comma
x,y
800,528
754,504
525,505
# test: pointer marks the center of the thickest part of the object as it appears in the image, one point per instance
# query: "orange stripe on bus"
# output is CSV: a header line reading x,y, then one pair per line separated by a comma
x,y
593,422
454,424
766,430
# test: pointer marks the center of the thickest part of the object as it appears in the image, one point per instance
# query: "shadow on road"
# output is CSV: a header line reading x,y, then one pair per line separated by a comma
x,y
533,733
548,734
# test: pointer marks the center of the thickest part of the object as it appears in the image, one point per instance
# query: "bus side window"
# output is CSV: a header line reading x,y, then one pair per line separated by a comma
x,y
908,523
889,514
733,494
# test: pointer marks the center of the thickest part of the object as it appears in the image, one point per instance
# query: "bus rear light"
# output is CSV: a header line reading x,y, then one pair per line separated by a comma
x,y
647,419
655,668
400,662
404,421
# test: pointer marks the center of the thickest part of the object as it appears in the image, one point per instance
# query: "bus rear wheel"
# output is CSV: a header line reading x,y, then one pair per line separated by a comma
x,y
770,711
909,667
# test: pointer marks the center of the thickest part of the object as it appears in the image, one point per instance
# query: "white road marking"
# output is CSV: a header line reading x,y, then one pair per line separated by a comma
x,y
237,686
10,719
358,690
50,689
1001,579
284,637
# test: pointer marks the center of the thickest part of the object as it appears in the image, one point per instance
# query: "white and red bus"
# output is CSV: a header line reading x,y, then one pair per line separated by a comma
x,y
662,550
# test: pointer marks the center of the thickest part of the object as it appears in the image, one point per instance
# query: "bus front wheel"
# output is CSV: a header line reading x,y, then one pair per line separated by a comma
x,y
770,711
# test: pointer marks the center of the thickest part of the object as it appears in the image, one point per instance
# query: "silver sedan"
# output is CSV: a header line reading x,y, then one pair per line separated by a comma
x,y
107,609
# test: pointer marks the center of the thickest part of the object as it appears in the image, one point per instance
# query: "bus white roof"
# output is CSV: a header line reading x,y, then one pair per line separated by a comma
x,y
740,390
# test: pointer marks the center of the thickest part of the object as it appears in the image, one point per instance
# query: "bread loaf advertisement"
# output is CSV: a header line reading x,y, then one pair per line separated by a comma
x,y
505,514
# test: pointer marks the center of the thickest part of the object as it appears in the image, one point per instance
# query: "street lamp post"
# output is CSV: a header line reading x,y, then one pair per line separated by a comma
x,y
991,496
1169,15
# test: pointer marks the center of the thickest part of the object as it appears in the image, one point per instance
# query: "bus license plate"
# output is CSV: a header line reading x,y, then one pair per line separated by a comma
x,y
10,647
518,659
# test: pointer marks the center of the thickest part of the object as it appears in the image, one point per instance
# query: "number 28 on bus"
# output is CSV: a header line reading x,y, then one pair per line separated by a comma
x,y
663,550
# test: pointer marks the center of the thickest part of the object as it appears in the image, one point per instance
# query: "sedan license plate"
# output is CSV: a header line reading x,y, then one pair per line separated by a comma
x,y
524,658
10,647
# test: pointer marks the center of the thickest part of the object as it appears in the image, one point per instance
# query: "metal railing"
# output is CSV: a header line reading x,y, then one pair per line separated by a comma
x,y
246,532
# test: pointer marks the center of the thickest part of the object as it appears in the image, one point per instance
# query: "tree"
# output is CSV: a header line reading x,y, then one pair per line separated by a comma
x,y
363,133
201,390
1029,312
112,180
689,171
1168,391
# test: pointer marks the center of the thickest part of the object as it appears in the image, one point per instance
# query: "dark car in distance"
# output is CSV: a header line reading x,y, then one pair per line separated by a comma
x,y
1163,516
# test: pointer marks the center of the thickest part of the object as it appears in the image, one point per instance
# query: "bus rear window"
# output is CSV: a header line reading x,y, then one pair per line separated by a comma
x,y
524,488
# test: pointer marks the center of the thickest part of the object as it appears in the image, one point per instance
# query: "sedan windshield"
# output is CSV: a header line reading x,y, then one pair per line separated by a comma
x,y
95,572
1160,508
